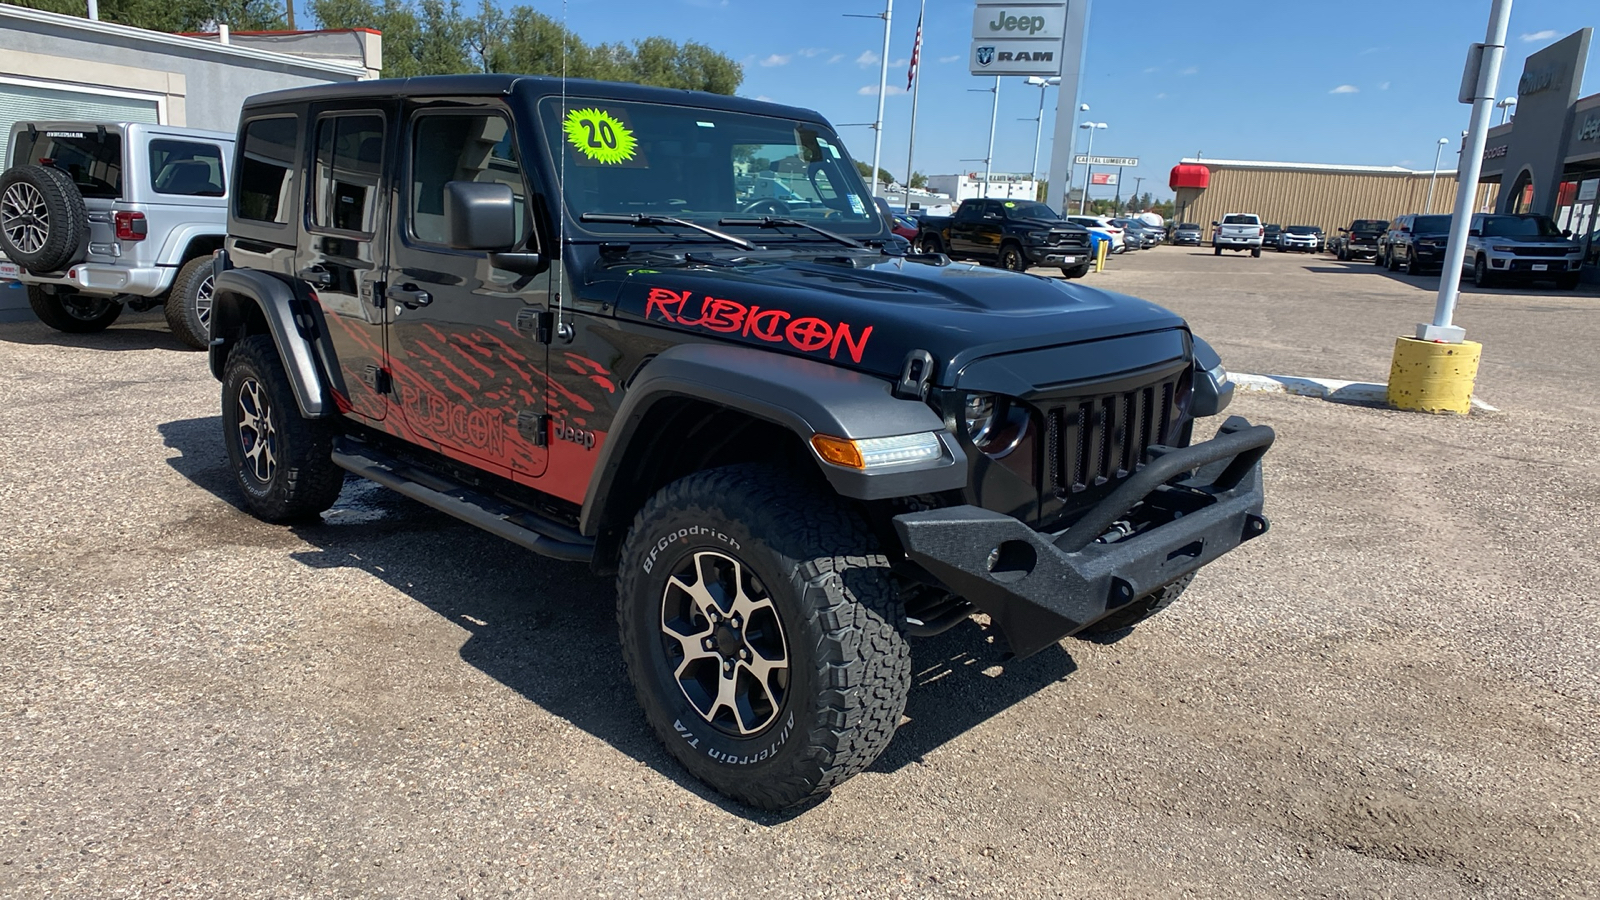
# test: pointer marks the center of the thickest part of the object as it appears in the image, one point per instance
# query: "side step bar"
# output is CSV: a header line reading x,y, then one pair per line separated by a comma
x,y
519,526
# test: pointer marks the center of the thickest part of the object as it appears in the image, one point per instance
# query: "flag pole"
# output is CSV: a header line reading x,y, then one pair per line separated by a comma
x,y
916,88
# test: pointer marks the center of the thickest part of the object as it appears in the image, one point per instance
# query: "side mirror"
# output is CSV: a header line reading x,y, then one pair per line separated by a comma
x,y
1475,232
1344,231
1216,225
480,216
1566,232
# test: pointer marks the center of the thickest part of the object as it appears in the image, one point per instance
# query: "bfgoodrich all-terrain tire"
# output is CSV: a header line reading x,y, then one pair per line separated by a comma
x,y
282,462
71,312
1012,258
762,632
44,225
189,303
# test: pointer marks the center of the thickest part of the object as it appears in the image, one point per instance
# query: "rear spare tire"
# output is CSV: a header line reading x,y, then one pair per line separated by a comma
x,y
72,312
762,632
44,225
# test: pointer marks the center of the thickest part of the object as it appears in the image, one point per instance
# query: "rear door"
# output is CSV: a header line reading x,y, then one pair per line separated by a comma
x,y
463,337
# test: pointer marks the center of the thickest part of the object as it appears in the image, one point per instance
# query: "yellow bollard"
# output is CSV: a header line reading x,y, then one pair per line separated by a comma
x,y
1100,255
1430,376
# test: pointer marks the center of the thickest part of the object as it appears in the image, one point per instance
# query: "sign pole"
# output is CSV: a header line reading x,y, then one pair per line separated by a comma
x,y
994,119
1061,147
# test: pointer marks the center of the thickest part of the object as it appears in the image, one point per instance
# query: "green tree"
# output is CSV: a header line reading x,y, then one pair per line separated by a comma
x,y
176,15
918,181
866,172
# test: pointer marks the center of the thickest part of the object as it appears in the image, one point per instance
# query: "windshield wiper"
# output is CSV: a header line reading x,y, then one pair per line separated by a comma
x,y
645,220
779,222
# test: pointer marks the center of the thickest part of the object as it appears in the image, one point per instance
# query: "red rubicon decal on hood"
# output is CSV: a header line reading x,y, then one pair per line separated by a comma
x,y
806,333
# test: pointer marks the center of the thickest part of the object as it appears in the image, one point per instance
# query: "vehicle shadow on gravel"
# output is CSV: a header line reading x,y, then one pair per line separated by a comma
x,y
547,629
125,335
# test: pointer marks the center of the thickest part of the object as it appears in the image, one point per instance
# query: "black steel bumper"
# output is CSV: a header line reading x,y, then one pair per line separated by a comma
x,y
1044,255
1040,587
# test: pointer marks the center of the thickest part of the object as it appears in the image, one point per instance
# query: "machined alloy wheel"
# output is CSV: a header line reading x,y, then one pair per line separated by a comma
x,y
202,301
722,632
1011,258
257,433
24,217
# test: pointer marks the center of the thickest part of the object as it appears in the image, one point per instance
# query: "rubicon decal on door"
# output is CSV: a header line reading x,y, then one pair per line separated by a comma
x,y
807,334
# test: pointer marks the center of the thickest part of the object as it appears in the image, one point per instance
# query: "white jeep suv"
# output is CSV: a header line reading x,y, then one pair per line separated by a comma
x,y
95,215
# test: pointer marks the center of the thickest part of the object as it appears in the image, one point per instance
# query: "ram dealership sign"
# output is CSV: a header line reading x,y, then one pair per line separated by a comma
x,y
1019,38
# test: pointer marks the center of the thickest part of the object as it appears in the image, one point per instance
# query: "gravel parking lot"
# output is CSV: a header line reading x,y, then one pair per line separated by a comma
x,y
1392,694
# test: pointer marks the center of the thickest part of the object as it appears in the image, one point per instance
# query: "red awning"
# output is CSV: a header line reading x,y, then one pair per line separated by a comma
x,y
1190,176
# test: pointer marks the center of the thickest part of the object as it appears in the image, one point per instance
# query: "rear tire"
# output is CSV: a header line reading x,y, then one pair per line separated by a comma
x,y
282,462
72,312
188,304
1255,252
731,570
1215,250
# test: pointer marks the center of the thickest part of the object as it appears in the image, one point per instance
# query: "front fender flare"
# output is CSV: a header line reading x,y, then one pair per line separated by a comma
x,y
289,321
804,396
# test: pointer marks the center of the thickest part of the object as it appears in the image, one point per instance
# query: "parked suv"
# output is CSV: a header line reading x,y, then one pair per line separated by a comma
x,y
1521,248
1415,243
1238,231
1186,233
1300,237
541,307
95,215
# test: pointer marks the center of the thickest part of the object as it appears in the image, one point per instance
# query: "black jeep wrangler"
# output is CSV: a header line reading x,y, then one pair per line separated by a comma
x,y
577,316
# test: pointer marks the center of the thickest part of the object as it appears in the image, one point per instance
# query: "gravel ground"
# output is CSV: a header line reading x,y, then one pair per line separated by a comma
x,y
1393,694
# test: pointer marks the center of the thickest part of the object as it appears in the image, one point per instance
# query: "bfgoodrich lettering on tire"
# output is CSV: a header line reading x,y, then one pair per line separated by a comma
x,y
283,463
762,633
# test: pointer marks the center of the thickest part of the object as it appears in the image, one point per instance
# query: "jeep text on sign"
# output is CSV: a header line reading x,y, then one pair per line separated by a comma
x,y
1018,20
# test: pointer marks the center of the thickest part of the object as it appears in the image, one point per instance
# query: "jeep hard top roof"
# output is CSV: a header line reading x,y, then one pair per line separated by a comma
x,y
534,85
89,126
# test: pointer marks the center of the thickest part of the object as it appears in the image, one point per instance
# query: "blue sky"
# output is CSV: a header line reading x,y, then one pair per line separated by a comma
x,y
1355,82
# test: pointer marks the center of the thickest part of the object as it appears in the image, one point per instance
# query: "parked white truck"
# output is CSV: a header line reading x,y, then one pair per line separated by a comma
x,y
98,215
1238,231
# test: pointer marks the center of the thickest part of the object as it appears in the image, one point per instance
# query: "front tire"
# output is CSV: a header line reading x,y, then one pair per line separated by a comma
x,y
1080,271
1480,273
761,630
1568,282
188,304
282,462
931,244
1011,259
72,312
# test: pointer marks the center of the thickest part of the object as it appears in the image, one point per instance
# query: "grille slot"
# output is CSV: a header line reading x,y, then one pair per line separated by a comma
x,y
1094,440
1542,252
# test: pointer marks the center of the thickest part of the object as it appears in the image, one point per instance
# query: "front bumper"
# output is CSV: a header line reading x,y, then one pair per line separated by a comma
x,y
1525,265
1201,502
1046,255
92,278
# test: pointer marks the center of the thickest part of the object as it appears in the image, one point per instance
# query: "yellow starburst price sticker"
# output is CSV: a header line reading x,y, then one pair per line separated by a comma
x,y
600,136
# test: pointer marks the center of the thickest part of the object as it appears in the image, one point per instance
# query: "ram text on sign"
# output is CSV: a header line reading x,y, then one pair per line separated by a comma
x,y
1016,58
1023,38
1126,162
1014,20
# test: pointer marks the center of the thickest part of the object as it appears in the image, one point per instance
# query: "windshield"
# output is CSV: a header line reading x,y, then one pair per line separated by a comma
x,y
1519,226
1188,226
93,160
704,165
1370,225
1431,225
1240,220
1016,210
1303,229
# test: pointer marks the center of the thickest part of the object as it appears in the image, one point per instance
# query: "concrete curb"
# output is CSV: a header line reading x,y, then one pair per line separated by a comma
x,y
1330,389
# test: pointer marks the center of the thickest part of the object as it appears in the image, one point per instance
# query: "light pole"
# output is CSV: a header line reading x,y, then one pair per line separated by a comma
x,y
1088,165
1038,134
1434,175
883,86
1071,169
1506,104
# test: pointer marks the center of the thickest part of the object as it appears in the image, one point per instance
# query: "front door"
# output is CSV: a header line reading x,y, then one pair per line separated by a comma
x,y
343,244
464,344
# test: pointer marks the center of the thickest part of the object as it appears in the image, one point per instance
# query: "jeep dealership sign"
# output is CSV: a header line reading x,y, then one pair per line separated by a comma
x,y
1019,38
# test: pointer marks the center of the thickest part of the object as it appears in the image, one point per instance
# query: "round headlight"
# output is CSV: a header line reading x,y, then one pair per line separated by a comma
x,y
995,424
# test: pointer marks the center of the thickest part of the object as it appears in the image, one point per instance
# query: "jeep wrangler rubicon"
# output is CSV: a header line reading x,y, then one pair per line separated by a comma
x,y
95,216
543,308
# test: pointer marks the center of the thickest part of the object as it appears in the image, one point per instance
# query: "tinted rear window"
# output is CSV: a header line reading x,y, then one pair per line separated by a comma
x,y
93,161
187,168
1370,225
266,161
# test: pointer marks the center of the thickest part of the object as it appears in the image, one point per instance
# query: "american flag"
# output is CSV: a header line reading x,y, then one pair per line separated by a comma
x,y
916,54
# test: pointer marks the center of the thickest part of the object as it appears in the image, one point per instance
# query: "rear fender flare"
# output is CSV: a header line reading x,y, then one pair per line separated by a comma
x,y
241,292
803,396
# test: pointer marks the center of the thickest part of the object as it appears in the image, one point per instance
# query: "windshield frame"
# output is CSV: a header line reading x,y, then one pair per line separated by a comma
x,y
866,225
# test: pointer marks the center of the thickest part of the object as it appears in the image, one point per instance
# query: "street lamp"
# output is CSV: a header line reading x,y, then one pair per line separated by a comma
x,y
1091,127
1434,175
1038,134
1506,104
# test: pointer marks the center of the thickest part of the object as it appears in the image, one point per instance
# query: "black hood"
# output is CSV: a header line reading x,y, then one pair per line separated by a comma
x,y
867,311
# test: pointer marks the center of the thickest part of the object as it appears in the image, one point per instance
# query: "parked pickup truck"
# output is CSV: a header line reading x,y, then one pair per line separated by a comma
x,y
1014,234
1238,231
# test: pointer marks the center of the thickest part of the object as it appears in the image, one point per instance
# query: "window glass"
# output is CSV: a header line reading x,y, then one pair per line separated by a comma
x,y
93,161
266,160
186,168
448,148
349,164
1519,226
1024,210
1240,220
1431,224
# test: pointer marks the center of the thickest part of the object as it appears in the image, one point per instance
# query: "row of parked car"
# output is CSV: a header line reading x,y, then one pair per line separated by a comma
x,y
1500,247
1019,234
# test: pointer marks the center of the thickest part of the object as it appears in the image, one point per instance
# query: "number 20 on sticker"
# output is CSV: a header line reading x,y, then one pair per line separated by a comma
x,y
600,136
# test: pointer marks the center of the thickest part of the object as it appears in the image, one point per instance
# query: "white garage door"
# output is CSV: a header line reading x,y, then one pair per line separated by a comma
x,y
21,102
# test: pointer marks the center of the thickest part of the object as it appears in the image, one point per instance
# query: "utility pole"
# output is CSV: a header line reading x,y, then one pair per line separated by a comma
x,y
883,87
1137,180
994,119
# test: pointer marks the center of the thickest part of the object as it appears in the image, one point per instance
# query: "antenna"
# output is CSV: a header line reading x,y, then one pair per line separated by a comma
x,y
562,329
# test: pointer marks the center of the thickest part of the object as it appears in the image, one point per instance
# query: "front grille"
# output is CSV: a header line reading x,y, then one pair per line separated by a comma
x,y
1093,440
1067,239
1542,251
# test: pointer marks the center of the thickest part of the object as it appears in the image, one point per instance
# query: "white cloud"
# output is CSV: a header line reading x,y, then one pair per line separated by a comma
x,y
1544,35
1192,70
764,98
1371,50
950,59
1346,89
867,58
900,64
775,60
1161,96
809,52
1152,70
871,90
1384,86
835,58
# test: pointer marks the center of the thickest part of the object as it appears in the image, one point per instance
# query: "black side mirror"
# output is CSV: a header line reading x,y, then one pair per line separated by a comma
x,y
480,216
1566,232
1216,225
1475,232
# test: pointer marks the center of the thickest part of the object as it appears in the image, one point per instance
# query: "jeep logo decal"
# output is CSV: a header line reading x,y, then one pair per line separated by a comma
x,y
582,437
1024,24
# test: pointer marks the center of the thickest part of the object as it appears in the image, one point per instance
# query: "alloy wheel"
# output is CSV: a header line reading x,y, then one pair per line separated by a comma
x,y
202,303
258,436
84,307
724,640
24,218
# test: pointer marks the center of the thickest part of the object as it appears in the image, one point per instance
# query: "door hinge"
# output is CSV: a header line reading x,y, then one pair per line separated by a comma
x,y
377,298
535,427
377,378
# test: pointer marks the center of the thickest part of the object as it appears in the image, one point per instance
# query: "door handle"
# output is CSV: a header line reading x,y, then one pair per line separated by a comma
x,y
316,275
410,296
